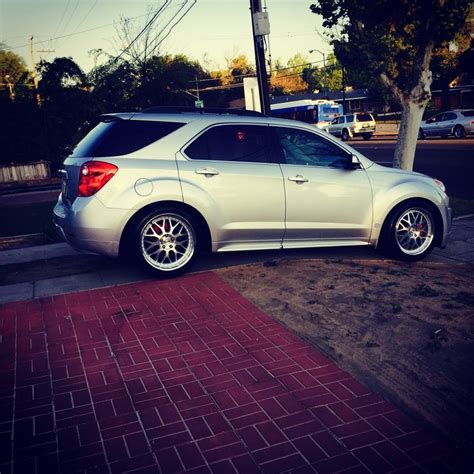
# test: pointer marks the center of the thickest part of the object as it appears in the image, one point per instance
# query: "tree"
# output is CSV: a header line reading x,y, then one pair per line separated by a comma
x,y
394,41
12,70
447,63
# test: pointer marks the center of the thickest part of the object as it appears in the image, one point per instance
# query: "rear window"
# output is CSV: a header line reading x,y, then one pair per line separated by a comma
x,y
468,113
122,137
364,118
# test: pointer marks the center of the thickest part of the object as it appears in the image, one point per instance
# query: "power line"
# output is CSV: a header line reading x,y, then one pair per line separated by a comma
x,y
74,34
174,24
154,17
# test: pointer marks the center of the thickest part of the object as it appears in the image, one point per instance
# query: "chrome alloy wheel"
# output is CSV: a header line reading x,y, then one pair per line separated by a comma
x,y
167,242
414,231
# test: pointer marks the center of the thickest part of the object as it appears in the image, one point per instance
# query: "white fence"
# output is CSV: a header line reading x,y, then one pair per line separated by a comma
x,y
24,172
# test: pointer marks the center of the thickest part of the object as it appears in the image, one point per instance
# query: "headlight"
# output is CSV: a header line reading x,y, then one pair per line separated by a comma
x,y
440,185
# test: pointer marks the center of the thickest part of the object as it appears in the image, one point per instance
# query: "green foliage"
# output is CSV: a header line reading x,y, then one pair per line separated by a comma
x,y
12,66
391,37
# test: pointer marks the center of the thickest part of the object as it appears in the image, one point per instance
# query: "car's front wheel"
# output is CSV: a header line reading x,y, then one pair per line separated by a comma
x,y
166,241
410,232
367,136
421,134
345,135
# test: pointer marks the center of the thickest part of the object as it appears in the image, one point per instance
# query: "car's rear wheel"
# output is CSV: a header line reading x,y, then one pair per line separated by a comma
x,y
421,134
410,232
367,136
459,131
166,241
345,135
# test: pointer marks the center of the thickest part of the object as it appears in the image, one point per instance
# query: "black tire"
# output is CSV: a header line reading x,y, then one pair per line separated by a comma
x,y
345,135
421,134
409,232
166,241
367,136
459,132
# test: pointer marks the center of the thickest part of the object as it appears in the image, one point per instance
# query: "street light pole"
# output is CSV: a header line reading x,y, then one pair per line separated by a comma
x,y
324,70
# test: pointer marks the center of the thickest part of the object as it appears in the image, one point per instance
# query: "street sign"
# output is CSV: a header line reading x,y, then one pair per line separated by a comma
x,y
199,104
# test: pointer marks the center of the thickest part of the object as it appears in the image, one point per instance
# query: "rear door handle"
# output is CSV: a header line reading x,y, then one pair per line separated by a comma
x,y
298,178
207,172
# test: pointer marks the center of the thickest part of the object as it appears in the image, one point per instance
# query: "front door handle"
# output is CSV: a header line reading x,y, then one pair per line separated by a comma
x,y
298,178
207,171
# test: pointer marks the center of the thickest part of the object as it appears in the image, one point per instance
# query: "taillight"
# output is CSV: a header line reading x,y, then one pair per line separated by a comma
x,y
94,175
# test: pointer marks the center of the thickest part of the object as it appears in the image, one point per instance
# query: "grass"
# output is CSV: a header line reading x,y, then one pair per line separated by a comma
x,y
462,207
35,218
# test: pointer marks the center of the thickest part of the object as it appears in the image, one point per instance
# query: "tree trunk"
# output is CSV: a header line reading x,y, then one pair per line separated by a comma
x,y
412,113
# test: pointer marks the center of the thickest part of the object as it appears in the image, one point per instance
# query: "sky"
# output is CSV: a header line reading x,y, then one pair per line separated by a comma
x,y
212,31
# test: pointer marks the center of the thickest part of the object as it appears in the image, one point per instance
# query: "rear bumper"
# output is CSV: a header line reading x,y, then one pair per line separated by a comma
x,y
89,226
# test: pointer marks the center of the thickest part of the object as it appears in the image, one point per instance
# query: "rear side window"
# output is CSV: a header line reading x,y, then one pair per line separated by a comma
x,y
364,118
350,118
122,137
243,143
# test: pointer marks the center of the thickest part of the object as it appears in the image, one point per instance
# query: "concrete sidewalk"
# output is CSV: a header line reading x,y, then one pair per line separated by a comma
x,y
186,375
101,272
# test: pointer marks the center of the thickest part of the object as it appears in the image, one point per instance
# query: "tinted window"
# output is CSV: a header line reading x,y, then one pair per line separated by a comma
x,y
449,116
301,147
468,113
122,137
364,118
350,118
244,143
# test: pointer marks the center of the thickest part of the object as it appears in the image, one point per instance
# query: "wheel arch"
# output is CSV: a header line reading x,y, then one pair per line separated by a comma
x,y
204,233
414,201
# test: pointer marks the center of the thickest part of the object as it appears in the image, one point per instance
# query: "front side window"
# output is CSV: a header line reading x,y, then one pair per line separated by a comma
x,y
350,118
242,143
449,116
301,147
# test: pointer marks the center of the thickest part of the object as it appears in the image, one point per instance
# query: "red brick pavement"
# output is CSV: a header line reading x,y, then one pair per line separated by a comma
x,y
186,375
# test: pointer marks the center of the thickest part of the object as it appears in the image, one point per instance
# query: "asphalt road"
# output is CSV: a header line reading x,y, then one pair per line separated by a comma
x,y
450,160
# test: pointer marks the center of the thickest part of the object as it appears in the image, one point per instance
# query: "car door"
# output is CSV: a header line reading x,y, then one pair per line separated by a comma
x,y
431,128
338,127
326,202
447,124
231,175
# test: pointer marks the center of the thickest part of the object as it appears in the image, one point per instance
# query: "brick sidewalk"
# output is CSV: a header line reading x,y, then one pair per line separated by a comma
x,y
185,375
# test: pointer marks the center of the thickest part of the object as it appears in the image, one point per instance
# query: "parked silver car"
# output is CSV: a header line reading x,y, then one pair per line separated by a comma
x,y
165,184
457,123
357,124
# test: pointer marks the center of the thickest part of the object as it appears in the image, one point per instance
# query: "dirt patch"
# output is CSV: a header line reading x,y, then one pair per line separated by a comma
x,y
405,330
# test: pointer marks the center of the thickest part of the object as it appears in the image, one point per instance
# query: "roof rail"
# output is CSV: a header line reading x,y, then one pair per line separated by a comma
x,y
200,110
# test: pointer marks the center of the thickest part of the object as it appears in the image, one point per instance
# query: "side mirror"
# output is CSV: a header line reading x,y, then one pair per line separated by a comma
x,y
353,163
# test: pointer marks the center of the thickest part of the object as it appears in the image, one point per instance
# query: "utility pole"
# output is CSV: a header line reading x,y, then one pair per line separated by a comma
x,y
33,72
260,28
343,90
324,70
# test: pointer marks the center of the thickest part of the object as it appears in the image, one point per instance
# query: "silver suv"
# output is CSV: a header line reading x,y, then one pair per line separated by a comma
x,y
164,184
357,124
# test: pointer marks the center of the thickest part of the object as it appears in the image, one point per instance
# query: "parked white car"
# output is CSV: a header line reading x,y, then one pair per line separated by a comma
x,y
358,124
456,123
